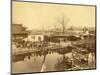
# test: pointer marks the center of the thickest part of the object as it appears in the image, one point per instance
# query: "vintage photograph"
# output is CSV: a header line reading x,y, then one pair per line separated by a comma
x,y
52,37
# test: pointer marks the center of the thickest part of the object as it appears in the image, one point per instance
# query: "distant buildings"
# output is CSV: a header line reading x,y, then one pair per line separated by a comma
x,y
19,33
35,37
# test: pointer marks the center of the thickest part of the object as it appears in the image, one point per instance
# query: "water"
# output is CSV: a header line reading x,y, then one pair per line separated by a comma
x,y
38,63
53,61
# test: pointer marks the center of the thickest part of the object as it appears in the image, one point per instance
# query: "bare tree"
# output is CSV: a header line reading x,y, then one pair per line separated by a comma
x,y
63,21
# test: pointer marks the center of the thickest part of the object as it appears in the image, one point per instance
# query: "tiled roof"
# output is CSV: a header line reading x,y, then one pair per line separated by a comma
x,y
18,29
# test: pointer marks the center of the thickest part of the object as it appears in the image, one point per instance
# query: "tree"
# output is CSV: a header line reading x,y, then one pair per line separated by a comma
x,y
63,21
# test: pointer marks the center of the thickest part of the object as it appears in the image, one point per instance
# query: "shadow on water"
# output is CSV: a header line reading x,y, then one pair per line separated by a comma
x,y
21,57
62,51
63,63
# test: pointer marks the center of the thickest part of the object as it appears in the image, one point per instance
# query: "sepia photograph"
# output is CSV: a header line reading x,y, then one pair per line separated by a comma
x,y
52,37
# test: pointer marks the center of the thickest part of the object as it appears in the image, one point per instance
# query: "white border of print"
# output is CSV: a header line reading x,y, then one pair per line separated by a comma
x,y
5,18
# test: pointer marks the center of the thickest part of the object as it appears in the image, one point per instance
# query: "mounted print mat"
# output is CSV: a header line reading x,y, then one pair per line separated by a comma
x,y
52,37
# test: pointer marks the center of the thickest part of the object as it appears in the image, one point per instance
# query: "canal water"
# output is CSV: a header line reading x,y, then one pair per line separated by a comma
x,y
38,63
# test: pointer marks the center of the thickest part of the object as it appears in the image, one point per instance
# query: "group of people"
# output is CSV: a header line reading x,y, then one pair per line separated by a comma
x,y
29,44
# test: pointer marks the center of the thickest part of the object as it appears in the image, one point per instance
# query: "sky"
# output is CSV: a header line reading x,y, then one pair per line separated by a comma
x,y
46,16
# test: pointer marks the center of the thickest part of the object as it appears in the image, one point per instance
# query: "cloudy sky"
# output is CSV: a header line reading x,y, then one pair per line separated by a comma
x,y
41,15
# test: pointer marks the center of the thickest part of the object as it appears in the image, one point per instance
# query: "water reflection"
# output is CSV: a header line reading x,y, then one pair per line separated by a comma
x,y
51,60
63,63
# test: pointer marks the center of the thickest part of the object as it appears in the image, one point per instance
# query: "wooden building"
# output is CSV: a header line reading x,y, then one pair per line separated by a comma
x,y
18,32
